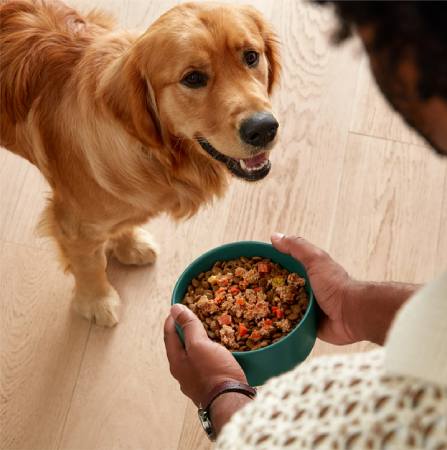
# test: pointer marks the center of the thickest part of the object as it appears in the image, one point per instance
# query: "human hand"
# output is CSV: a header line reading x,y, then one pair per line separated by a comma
x,y
201,364
330,283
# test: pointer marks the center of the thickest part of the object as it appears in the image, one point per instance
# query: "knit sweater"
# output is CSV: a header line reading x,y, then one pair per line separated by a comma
x,y
391,398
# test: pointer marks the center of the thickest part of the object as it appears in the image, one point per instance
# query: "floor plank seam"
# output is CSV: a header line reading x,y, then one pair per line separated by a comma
x,y
357,133
70,402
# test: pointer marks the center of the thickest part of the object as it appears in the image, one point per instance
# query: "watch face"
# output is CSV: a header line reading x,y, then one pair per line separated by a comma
x,y
206,422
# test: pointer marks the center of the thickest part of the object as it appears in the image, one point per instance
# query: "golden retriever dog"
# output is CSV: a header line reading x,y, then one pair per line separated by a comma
x,y
125,127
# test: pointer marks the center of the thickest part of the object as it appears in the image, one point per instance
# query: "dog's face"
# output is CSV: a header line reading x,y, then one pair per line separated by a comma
x,y
210,70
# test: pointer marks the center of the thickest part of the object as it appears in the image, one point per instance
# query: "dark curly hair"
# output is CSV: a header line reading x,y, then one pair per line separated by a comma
x,y
417,27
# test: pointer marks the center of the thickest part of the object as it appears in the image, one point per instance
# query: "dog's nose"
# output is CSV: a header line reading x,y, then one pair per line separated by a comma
x,y
259,129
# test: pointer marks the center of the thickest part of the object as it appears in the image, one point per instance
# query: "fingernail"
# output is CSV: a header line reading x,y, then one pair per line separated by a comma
x,y
277,236
176,310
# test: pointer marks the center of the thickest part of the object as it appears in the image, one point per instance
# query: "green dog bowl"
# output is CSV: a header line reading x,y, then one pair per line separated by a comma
x,y
261,364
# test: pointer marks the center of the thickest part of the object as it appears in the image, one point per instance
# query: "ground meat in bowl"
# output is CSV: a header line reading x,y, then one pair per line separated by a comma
x,y
247,303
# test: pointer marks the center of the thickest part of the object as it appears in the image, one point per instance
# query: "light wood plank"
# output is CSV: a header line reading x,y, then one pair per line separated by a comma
x,y
193,436
389,211
41,347
374,117
442,238
25,193
130,14
13,173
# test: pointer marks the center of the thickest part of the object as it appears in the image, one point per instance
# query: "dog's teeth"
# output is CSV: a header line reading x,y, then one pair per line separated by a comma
x,y
252,169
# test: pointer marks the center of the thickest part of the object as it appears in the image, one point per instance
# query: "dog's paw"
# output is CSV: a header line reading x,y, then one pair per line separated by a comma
x,y
104,311
136,248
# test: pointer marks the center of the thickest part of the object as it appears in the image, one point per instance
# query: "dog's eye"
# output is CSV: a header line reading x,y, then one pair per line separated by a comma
x,y
251,58
195,79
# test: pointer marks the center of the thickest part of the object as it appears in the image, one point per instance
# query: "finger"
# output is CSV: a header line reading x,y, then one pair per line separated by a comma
x,y
174,347
192,327
299,248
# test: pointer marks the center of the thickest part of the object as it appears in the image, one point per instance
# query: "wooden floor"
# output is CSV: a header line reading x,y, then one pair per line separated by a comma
x,y
347,174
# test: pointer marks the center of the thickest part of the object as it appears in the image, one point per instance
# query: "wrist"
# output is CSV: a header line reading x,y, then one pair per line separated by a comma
x,y
220,405
370,308
354,311
224,406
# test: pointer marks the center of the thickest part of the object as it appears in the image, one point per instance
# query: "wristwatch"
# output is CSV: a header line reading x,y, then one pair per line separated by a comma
x,y
226,386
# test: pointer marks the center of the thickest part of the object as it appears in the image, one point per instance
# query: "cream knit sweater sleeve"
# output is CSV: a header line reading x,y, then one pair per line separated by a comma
x,y
341,402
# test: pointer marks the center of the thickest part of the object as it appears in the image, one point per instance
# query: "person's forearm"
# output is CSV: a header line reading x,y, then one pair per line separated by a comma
x,y
224,407
371,307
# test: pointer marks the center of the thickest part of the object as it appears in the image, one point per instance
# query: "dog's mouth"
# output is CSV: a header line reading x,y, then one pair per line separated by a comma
x,y
250,169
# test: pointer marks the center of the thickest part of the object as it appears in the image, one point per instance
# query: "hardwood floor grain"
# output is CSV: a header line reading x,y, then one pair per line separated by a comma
x,y
24,192
385,227
125,396
347,174
441,255
374,117
41,348
192,435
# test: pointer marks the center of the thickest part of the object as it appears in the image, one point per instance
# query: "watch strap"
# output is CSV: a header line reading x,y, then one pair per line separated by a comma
x,y
221,388
228,386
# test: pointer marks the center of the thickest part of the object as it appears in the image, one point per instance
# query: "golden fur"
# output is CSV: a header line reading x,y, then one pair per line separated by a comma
x,y
103,116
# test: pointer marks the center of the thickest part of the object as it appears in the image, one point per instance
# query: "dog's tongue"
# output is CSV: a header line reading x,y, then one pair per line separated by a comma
x,y
255,161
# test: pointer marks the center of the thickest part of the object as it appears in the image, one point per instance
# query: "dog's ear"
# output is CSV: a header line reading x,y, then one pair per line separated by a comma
x,y
273,56
271,43
128,95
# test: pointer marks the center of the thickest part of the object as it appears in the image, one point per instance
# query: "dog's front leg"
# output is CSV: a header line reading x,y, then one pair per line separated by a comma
x,y
94,297
83,249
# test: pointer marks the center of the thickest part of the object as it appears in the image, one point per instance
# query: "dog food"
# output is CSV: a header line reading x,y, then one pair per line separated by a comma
x,y
247,303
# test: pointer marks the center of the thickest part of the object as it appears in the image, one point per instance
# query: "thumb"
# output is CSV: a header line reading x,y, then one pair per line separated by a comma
x,y
192,327
302,250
